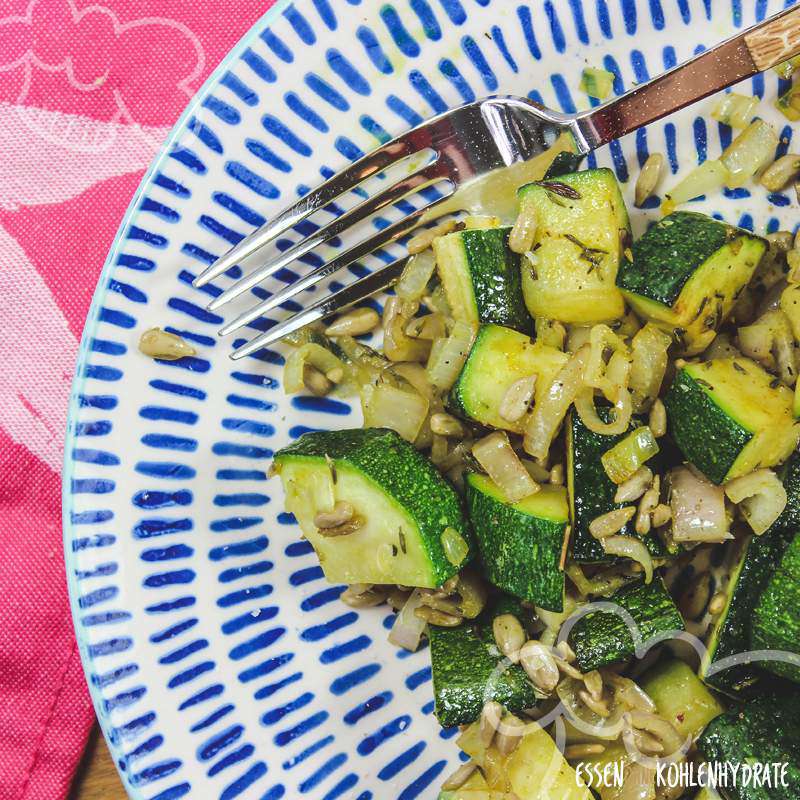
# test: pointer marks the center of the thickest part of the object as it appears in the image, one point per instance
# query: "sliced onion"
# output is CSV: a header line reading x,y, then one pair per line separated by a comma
x,y
736,110
661,728
550,410
790,305
786,69
629,693
583,718
633,548
789,103
648,365
428,326
706,179
770,341
495,454
386,406
760,496
597,83
415,375
601,340
314,355
602,584
625,457
721,347
751,150
577,337
397,344
408,627
448,355
416,276
621,416
698,508
550,332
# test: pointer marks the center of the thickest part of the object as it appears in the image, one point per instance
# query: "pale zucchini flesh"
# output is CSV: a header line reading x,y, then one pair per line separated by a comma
x,y
579,242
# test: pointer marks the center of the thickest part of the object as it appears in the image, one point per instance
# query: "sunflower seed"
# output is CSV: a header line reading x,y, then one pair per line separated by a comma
x,y
354,323
539,665
509,635
598,706
158,343
648,178
611,522
363,595
315,381
658,418
594,684
717,603
509,734
491,714
458,778
662,514
576,751
633,488
342,512
440,618
517,399
446,425
424,239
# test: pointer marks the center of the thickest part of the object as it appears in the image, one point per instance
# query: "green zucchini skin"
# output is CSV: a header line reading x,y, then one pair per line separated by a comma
x,y
669,253
464,661
564,163
521,552
401,472
765,731
706,435
591,491
602,637
776,621
482,278
759,556
496,278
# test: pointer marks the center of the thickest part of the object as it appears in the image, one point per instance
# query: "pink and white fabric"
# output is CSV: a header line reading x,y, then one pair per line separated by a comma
x,y
87,94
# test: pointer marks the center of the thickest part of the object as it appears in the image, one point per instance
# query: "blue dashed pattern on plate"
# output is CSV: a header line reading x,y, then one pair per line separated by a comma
x,y
221,663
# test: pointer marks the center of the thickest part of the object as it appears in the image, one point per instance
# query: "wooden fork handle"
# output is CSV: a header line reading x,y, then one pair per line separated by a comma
x,y
749,52
776,40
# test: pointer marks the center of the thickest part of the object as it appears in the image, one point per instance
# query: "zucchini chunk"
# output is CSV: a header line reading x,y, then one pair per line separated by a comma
x,y
464,664
564,163
536,770
402,506
581,227
776,621
752,564
765,731
686,273
602,637
499,357
728,417
481,277
680,697
520,544
591,492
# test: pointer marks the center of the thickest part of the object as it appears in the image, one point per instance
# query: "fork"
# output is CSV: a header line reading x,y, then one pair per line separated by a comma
x,y
458,148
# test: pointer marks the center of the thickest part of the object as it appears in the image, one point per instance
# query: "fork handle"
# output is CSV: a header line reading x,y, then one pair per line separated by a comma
x,y
754,50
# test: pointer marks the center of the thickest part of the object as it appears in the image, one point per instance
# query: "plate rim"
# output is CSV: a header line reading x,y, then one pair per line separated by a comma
x,y
87,334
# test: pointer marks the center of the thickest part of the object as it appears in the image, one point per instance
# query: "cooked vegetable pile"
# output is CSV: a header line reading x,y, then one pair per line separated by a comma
x,y
560,415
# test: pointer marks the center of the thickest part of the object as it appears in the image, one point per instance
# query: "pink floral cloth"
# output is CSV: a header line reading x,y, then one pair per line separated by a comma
x,y
88,92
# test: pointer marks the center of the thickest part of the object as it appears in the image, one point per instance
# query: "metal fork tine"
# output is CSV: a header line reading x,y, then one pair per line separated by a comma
x,y
339,184
380,239
404,188
369,285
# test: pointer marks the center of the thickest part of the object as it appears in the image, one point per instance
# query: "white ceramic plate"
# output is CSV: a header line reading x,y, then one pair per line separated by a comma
x,y
220,661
